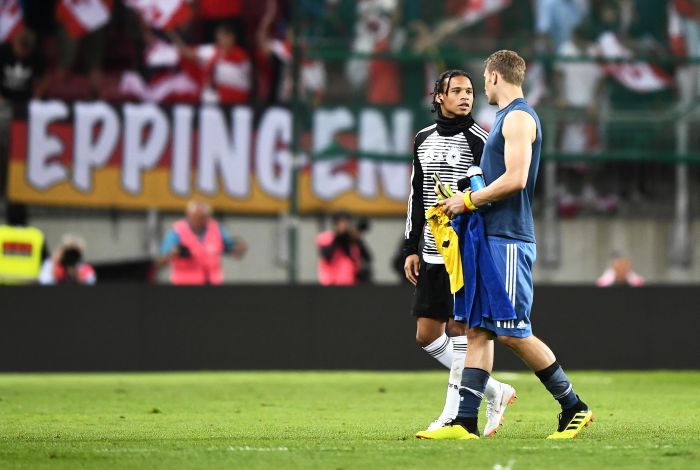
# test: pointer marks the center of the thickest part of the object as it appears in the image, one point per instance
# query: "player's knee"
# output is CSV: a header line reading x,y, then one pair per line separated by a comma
x,y
456,329
424,338
477,336
510,342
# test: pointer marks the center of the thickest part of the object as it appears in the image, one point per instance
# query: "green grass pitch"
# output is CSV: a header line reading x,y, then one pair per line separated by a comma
x,y
333,420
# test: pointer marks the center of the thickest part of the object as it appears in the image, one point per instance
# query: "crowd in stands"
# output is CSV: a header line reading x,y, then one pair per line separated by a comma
x,y
239,51
148,50
607,70
588,59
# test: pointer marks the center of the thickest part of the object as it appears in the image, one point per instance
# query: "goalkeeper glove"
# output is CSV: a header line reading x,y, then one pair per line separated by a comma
x,y
442,190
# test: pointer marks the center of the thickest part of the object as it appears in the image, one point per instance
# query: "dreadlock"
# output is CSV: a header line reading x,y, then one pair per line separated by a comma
x,y
446,75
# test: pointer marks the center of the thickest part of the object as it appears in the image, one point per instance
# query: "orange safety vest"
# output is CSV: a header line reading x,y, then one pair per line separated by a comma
x,y
342,269
204,265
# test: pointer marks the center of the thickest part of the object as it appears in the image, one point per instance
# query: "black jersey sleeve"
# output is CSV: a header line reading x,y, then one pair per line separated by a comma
x,y
415,215
476,137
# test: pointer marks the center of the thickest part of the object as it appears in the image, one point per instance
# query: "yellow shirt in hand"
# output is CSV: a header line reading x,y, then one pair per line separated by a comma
x,y
447,244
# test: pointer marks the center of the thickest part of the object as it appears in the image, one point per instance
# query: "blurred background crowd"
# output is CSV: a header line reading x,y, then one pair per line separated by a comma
x,y
616,83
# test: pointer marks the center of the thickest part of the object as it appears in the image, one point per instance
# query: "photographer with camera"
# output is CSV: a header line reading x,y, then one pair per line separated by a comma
x,y
344,258
66,265
194,246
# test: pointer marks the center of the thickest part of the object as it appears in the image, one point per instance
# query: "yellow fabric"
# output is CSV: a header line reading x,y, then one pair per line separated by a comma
x,y
447,244
20,254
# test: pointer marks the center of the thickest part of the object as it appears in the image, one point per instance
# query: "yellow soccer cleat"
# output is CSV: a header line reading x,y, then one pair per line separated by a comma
x,y
447,432
569,426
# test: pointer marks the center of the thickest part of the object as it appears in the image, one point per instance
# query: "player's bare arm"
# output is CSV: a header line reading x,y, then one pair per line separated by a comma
x,y
519,131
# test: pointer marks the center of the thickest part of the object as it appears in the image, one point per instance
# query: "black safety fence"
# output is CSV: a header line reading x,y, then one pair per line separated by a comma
x,y
141,327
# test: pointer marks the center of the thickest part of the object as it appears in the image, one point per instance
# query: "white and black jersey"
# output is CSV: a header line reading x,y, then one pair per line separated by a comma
x,y
449,148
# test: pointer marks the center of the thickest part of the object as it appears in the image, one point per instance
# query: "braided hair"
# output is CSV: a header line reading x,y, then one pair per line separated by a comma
x,y
446,75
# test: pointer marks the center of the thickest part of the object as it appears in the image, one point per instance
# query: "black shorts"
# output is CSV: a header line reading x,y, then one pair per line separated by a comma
x,y
432,298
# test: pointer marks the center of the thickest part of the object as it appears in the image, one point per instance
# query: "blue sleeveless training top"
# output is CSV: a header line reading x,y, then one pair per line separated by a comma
x,y
511,217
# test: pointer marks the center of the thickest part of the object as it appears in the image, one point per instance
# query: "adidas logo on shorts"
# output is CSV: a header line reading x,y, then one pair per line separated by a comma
x,y
511,324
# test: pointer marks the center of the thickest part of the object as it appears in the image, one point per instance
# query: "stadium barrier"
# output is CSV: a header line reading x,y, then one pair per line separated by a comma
x,y
145,327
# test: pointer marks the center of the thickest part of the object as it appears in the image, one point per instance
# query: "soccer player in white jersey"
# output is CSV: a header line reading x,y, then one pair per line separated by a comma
x,y
449,147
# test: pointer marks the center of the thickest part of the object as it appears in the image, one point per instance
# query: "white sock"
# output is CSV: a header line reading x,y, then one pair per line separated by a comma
x,y
492,387
441,350
459,353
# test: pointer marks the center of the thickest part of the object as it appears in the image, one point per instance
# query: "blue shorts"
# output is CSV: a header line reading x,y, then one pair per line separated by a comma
x,y
513,260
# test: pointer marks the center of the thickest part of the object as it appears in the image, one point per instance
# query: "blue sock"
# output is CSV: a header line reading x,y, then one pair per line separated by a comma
x,y
555,380
471,392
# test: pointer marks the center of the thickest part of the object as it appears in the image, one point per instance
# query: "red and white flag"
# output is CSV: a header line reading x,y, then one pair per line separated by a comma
x,y
169,84
169,87
476,10
162,14
161,54
11,20
83,16
680,14
637,76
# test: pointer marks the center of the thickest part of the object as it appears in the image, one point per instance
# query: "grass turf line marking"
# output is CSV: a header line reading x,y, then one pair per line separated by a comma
x,y
125,451
257,449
